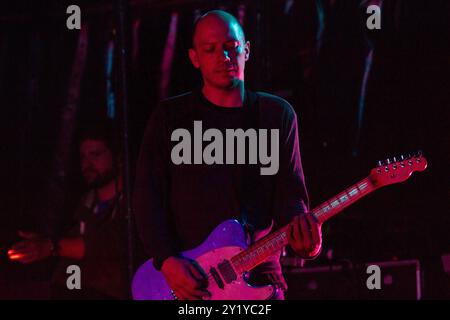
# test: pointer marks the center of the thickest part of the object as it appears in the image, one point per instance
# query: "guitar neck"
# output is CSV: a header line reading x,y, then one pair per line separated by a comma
x,y
333,206
273,243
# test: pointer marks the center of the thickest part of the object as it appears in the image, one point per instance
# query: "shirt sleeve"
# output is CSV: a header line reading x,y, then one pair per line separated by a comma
x,y
150,191
291,197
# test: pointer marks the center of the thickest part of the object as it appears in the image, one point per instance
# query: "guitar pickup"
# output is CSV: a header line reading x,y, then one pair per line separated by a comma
x,y
227,271
216,278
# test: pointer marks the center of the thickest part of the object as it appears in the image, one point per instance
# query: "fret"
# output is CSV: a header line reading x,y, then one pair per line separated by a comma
x,y
264,247
322,211
343,198
354,191
334,204
362,186
247,261
281,238
318,212
329,205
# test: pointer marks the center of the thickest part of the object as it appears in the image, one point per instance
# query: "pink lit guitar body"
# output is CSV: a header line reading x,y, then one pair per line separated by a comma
x,y
226,241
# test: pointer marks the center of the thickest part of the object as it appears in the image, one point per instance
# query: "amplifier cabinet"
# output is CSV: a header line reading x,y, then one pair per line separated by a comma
x,y
397,280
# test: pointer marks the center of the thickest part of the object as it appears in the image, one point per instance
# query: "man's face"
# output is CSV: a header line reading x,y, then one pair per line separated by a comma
x,y
96,163
219,52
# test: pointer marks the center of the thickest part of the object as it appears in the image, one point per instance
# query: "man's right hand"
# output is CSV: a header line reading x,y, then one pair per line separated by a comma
x,y
185,279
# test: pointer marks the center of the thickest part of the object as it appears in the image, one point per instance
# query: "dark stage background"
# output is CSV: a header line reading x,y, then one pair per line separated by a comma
x,y
361,96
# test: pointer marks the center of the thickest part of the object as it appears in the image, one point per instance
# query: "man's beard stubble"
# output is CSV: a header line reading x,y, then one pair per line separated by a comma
x,y
102,179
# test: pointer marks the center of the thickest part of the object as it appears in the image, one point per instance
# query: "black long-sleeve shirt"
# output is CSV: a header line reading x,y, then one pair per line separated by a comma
x,y
177,206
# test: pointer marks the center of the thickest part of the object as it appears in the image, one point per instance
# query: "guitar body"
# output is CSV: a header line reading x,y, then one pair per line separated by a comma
x,y
227,240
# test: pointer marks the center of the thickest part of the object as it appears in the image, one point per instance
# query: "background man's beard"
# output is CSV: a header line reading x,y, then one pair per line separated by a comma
x,y
102,179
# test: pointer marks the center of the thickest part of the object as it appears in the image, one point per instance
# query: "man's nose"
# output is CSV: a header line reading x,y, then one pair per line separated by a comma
x,y
225,55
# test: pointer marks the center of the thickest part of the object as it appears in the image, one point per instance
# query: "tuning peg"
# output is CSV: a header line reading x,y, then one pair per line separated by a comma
x,y
388,161
402,157
380,163
394,159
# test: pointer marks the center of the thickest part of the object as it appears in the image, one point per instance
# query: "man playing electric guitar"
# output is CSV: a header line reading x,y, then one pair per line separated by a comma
x,y
178,204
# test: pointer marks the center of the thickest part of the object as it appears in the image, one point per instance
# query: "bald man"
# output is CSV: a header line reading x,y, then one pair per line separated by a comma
x,y
178,205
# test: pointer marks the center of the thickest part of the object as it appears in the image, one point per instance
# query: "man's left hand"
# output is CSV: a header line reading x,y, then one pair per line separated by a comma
x,y
305,235
33,248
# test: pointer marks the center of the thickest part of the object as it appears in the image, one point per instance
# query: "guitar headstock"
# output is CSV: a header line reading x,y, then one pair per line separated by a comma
x,y
397,169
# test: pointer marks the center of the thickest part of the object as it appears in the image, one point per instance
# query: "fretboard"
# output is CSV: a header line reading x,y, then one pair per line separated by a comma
x,y
338,203
273,243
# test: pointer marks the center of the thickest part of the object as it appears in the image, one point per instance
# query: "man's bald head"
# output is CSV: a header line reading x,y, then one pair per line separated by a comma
x,y
219,50
215,17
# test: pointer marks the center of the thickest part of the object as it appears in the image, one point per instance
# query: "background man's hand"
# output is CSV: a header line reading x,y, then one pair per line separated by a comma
x,y
305,235
33,248
185,279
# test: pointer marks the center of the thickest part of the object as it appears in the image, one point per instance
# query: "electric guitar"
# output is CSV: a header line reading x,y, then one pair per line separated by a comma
x,y
226,259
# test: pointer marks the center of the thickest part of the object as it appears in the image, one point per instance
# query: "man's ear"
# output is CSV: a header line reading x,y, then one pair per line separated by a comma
x,y
247,50
194,58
